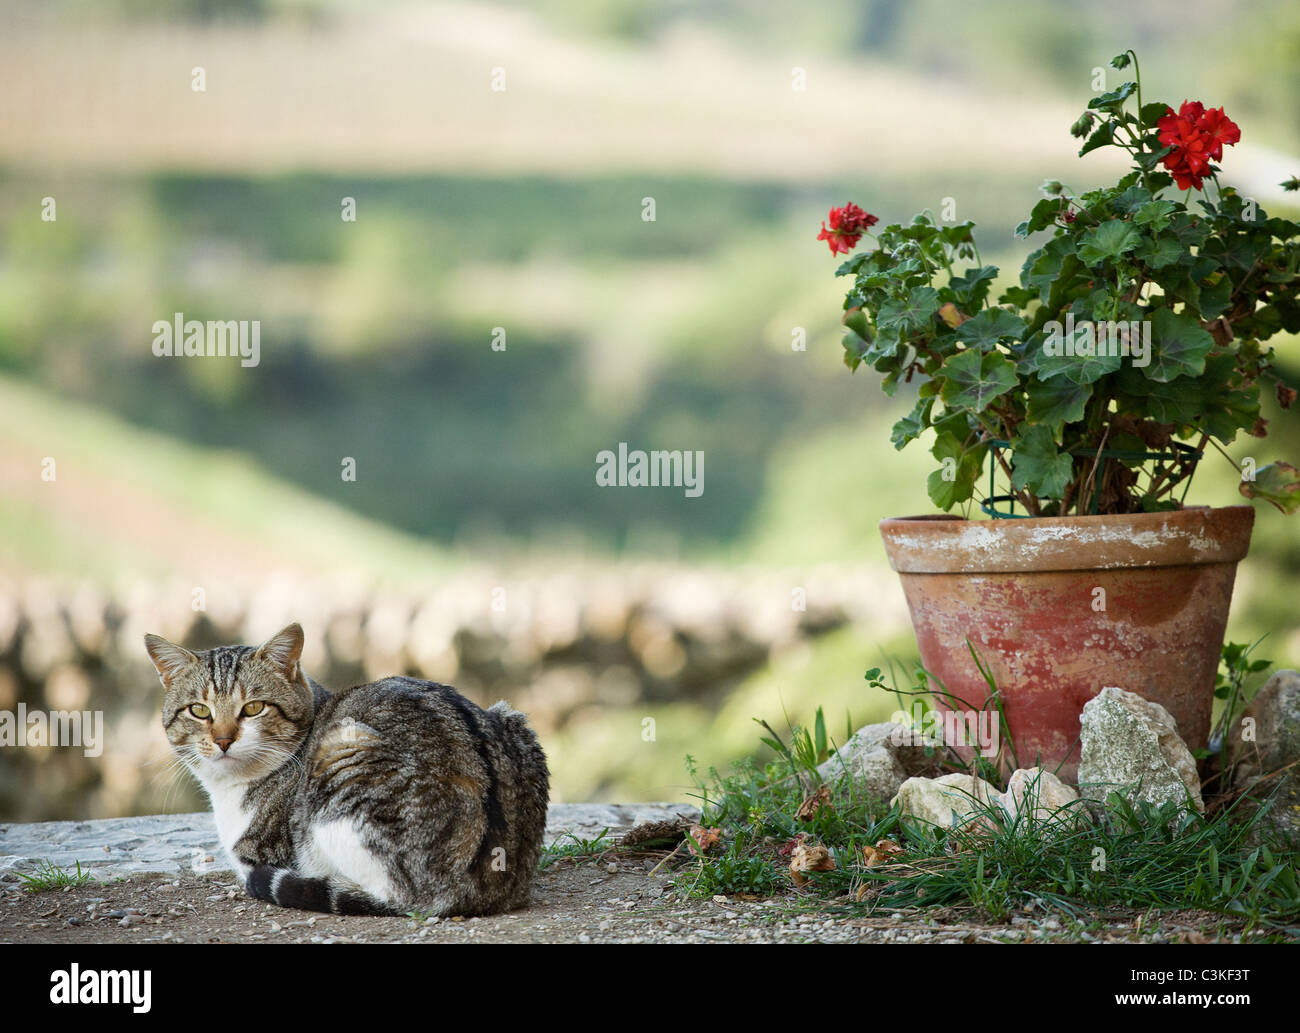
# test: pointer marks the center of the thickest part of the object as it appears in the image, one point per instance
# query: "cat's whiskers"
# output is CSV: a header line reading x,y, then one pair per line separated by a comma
x,y
177,764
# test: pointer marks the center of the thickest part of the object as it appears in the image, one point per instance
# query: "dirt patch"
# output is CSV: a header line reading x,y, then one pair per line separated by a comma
x,y
573,901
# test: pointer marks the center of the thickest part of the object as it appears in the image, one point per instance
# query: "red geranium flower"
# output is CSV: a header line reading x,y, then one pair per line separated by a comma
x,y
1196,137
1219,129
846,229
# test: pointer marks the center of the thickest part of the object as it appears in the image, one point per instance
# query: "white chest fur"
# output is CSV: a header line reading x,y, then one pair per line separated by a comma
x,y
232,819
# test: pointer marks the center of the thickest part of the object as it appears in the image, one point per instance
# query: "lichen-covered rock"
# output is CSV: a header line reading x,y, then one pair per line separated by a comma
x,y
1267,740
877,759
1041,796
952,801
1130,744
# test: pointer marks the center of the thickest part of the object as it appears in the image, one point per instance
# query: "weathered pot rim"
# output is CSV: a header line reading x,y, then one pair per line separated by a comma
x,y
942,544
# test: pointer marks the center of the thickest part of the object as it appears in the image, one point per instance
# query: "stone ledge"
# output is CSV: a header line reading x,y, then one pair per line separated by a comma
x,y
168,843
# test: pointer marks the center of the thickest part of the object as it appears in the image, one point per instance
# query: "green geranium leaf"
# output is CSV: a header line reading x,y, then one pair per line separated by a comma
x,y
1049,265
1113,100
855,349
1152,113
1227,406
1229,411
1215,298
1045,213
1018,296
911,426
954,481
1100,137
972,380
1154,214
853,266
1178,346
1057,402
1160,252
972,288
1178,403
1088,369
990,326
1278,483
1038,466
1133,198
961,233
856,320
1241,250
1108,241
913,313
1035,360
1188,231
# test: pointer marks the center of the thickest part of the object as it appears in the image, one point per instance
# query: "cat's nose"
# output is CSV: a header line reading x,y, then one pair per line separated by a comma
x,y
224,743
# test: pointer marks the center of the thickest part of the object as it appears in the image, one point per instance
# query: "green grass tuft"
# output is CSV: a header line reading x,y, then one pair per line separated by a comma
x,y
49,876
578,848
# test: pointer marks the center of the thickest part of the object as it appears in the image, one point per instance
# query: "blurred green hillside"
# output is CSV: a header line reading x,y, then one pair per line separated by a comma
x,y
524,211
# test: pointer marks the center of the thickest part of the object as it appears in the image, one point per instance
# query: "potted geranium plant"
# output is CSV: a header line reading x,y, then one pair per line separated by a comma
x,y
1133,342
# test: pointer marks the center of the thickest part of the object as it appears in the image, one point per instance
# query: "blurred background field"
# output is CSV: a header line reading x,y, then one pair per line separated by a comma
x,y
474,545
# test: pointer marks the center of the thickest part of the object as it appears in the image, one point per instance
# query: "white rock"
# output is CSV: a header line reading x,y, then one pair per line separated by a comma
x,y
1131,744
949,802
877,759
1041,796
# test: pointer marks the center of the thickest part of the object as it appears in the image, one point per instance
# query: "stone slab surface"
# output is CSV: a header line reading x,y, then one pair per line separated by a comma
x,y
167,842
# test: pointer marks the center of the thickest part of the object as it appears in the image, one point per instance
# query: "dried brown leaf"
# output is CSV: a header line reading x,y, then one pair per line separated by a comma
x,y
702,839
788,847
809,808
809,857
884,851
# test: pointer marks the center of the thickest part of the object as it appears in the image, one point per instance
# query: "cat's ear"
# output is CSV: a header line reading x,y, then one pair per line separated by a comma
x,y
168,658
283,649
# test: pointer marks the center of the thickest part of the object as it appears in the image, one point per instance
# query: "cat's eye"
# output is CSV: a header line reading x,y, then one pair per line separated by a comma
x,y
254,708
200,711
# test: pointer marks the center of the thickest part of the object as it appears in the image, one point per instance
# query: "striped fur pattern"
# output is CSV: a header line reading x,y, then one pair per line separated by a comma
x,y
395,796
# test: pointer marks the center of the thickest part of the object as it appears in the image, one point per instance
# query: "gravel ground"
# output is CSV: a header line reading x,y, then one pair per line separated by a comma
x,y
587,901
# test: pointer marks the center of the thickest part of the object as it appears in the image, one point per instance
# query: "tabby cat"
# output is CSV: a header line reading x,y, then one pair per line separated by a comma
x,y
396,796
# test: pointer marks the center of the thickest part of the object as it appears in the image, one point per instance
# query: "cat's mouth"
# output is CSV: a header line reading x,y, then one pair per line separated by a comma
x,y
225,761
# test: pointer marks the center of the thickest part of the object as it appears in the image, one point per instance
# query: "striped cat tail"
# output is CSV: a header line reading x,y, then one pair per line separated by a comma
x,y
285,887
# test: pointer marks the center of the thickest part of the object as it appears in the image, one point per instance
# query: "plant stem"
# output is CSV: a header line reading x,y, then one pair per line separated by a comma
x,y
1137,78
1092,474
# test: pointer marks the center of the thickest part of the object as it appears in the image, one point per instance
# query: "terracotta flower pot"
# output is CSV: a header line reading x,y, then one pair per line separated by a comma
x,y
1058,608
